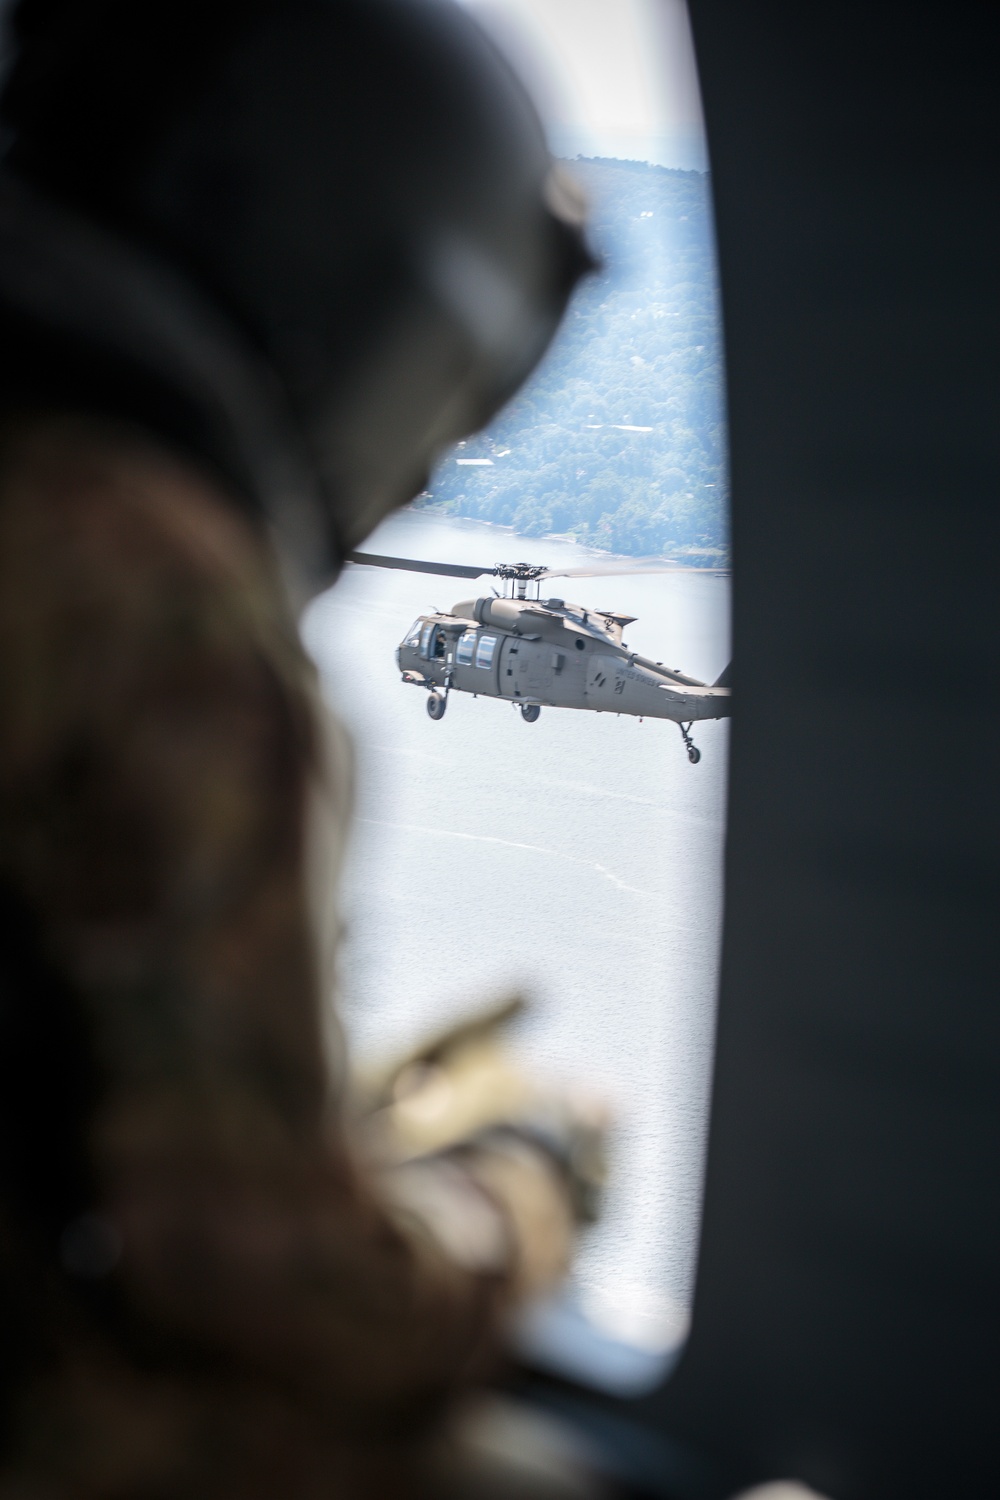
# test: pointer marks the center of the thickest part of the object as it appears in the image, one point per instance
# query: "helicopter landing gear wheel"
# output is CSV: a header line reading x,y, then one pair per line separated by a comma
x,y
436,705
693,753
530,712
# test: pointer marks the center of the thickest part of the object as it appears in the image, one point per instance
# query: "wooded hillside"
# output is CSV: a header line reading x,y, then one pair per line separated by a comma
x,y
619,439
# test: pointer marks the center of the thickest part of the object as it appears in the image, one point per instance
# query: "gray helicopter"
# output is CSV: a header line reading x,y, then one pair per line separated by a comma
x,y
539,653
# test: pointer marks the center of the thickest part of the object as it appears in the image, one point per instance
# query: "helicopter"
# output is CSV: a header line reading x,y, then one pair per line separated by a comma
x,y
538,652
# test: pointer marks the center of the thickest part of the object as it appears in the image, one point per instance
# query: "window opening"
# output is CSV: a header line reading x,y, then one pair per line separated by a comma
x,y
587,846
466,647
486,650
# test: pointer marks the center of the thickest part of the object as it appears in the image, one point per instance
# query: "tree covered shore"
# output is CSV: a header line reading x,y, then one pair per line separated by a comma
x,y
619,438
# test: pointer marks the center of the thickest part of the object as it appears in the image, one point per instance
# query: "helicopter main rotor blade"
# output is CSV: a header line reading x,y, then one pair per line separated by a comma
x,y
416,565
623,569
526,572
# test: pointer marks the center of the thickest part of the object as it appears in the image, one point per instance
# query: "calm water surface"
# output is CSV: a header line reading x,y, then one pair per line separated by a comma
x,y
578,859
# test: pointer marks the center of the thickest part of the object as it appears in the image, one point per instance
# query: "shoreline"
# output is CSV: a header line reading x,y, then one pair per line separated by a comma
x,y
681,560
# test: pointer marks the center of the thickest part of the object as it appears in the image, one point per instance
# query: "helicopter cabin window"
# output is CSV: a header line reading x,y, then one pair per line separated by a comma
x,y
579,808
486,650
466,648
414,633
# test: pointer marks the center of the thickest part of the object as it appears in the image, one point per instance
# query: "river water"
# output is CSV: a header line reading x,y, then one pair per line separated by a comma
x,y
578,859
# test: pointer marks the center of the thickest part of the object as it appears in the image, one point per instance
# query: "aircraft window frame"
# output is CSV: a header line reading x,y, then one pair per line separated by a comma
x,y
486,651
582,1335
465,648
427,640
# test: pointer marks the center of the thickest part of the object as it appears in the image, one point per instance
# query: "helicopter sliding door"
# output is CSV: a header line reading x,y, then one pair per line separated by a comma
x,y
526,670
536,671
511,679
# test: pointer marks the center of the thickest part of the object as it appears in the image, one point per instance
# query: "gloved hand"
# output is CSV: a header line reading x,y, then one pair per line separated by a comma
x,y
536,1148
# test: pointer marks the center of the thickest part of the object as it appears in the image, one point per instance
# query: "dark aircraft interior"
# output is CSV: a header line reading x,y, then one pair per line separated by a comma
x,y
845,1320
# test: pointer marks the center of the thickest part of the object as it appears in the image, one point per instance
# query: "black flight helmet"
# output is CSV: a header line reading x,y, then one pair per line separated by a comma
x,y
309,242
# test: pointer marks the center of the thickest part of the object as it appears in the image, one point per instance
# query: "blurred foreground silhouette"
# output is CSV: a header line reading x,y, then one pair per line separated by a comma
x,y
258,263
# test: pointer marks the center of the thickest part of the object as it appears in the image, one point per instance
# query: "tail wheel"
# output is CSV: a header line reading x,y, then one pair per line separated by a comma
x,y
436,705
530,712
694,754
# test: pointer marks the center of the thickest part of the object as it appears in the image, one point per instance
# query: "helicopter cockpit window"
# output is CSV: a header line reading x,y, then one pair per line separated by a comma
x,y
486,650
583,825
414,633
466,647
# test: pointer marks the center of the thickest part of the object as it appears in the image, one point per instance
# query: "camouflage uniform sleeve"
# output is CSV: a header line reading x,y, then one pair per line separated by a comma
x,y
159,746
